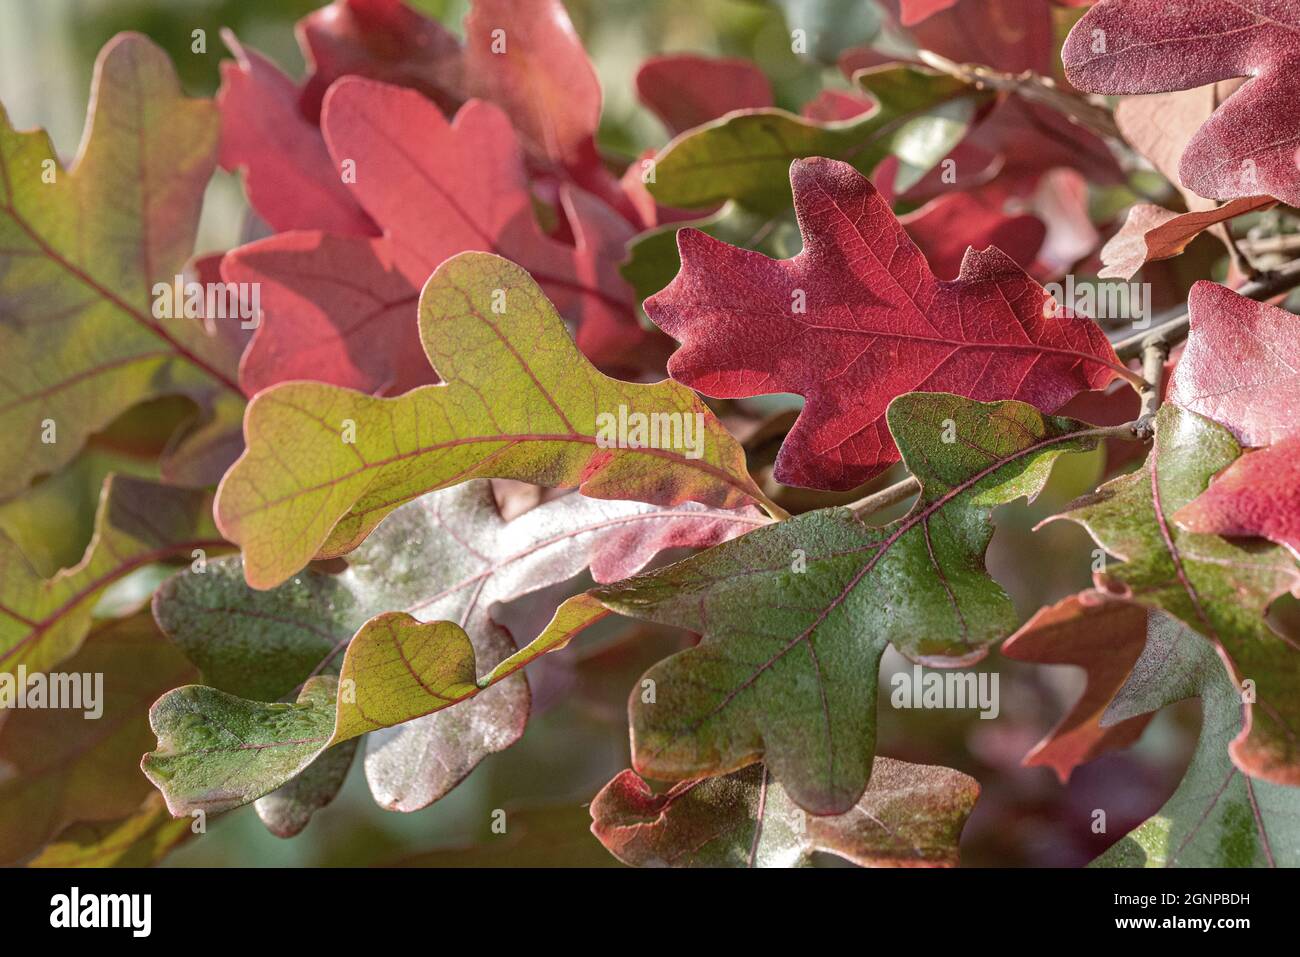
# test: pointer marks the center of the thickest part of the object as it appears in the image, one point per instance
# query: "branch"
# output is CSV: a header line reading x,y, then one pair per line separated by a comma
x,y
1286,243
886,497
1174,329
1154,356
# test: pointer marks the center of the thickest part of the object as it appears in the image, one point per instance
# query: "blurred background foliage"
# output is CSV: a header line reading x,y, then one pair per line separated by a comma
x,y
577,739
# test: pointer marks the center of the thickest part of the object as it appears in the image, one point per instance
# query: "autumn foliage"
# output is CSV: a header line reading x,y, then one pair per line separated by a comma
x,y
486,414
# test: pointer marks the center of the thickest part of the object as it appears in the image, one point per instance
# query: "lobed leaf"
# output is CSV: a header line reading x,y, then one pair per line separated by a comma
x,y
911,815
858,318
519,402
1105,638
1248,145
795,616
1219,589
81,251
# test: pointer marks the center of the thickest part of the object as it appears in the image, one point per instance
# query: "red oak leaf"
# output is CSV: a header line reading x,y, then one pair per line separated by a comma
x,y
1153,232
1007,35
380,40
342,309
832,105
914,11
1241,366
686,89
290,179
858,318
1150,46
525,56
1258,495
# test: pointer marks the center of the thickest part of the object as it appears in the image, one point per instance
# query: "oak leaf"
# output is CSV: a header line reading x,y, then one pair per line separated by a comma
x,y
1240,369
911,815
858,318
82,251
324,465
1218,588
460,559
795,616
1248,145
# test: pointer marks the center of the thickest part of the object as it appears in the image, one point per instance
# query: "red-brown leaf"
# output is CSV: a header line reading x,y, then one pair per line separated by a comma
x,y
878,323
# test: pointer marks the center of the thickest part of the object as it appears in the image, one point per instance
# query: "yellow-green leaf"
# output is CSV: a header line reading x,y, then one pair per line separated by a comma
x,y
324,465
81,250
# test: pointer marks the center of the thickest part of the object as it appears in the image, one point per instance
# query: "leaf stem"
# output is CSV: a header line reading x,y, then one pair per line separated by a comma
x,y
1033,87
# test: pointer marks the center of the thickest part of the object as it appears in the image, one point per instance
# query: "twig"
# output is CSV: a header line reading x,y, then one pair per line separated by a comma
x,y
1033,87
886,497
1154,356
1288,243
1174,329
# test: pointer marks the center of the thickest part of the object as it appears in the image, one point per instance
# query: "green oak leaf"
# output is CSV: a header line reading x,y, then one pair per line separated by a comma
x,y
911,815
746,156
1219,588
324,465
217,752
80,253
43,620
1218,816
288,809
264,644
60,766
795,616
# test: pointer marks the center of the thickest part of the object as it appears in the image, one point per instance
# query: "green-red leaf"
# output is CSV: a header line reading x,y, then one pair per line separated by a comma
x,y
80,255
1218,588
796,616
911,815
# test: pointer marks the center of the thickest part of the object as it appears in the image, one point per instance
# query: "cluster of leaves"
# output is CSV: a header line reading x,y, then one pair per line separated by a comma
x,y
454,282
